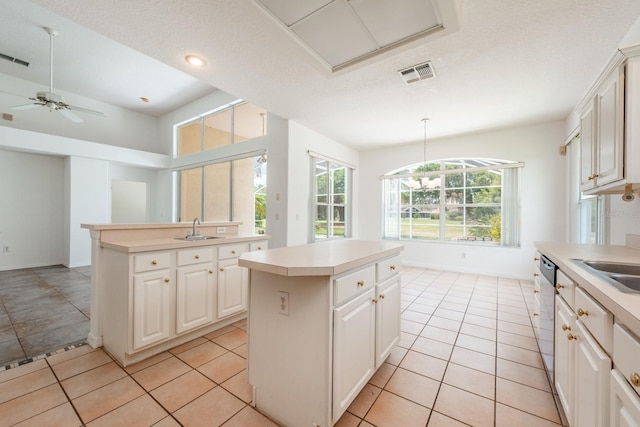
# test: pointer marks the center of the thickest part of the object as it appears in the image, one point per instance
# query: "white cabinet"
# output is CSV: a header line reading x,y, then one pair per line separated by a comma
x,y
354,362
233,280
610,130
564,356
592,381
625,404
155,300
152,298
582,365
337,330
195,288
387,318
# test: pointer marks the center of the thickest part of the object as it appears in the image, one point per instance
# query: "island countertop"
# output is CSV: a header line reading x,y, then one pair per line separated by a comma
x,y
321,258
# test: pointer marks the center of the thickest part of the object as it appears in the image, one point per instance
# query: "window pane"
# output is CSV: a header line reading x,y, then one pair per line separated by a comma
x,y
321,221
260,191
249,121
217,129
217,196
189,138
484,195
243,194
454,180
454,197
420,226
190,194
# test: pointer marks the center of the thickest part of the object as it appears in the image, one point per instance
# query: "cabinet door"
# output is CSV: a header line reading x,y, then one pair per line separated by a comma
x,y
564,357
233,282
587,147
592,381
609,125
625,403
353,349
387,318
151,307
195,296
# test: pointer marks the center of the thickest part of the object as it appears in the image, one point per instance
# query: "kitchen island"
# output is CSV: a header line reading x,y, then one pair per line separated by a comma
x,y
153,289
322,318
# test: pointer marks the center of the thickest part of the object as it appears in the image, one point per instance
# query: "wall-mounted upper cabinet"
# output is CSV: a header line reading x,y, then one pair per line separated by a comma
x,y
610,128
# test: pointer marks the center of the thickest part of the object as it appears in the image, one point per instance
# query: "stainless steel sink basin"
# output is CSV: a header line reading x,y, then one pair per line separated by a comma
x,y
623,276
632,282
615,267
194,238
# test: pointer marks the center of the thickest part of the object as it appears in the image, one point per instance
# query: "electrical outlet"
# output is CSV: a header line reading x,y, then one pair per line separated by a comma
x,y
283,303
5,249
221,230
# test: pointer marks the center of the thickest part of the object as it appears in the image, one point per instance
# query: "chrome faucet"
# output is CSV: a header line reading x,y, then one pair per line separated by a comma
x,y
194,232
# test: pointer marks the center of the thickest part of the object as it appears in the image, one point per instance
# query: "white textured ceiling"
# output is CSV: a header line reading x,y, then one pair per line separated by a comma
x,y
512,62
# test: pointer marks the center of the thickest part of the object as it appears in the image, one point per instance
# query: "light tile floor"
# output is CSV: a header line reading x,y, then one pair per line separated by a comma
x,y
467,356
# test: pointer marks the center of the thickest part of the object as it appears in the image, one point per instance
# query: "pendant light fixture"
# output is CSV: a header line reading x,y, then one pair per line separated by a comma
x,y
425,182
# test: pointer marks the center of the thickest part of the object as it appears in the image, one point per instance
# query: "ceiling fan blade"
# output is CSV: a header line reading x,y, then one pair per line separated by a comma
x,y
86,110
26,106
70,115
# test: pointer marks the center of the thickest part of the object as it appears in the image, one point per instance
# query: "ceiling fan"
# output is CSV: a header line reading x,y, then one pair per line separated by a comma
x,y
51,100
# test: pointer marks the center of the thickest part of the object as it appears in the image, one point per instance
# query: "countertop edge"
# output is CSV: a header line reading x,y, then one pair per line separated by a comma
x,y
624,306
174,243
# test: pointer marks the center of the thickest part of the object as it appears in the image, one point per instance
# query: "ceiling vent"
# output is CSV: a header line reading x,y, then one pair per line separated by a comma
x,y
417,72
14,60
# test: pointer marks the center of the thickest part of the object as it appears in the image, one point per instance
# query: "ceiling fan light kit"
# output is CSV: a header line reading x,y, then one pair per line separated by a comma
x,y
52,100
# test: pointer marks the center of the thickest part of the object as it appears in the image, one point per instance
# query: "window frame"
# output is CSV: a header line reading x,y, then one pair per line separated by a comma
x,y
331,205
429,180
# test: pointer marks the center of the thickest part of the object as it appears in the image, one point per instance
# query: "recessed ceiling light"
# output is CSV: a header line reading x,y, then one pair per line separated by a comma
x,y
196,61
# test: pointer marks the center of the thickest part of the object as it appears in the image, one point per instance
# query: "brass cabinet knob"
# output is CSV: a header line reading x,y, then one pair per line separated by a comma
x,y
535,291
166,280
535,314
374,301
154,262
210,271
360,283
635,379
197,257
566,327
536,258
259,248
559,286
233,252
392,267
581,312
535,274
381,296
221,268
571,337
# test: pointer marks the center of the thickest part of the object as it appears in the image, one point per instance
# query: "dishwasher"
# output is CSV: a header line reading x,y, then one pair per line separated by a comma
x,y
545,292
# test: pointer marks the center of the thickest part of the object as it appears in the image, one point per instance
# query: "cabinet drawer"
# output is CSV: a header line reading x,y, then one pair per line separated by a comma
x,y
626,355
566,288
387,268
151,261
352,284
195,255
258,246
598,320
232,251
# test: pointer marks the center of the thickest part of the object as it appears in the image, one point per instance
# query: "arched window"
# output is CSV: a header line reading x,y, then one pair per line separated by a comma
x,y
455,200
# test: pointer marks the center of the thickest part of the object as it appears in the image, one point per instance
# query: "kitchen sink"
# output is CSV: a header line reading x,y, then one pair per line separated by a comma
x,y
614,267
194,238
632,282
623,276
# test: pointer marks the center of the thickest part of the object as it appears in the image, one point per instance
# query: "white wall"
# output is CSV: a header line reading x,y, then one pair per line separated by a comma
x,y
86,202
301,140
31,210
543,207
